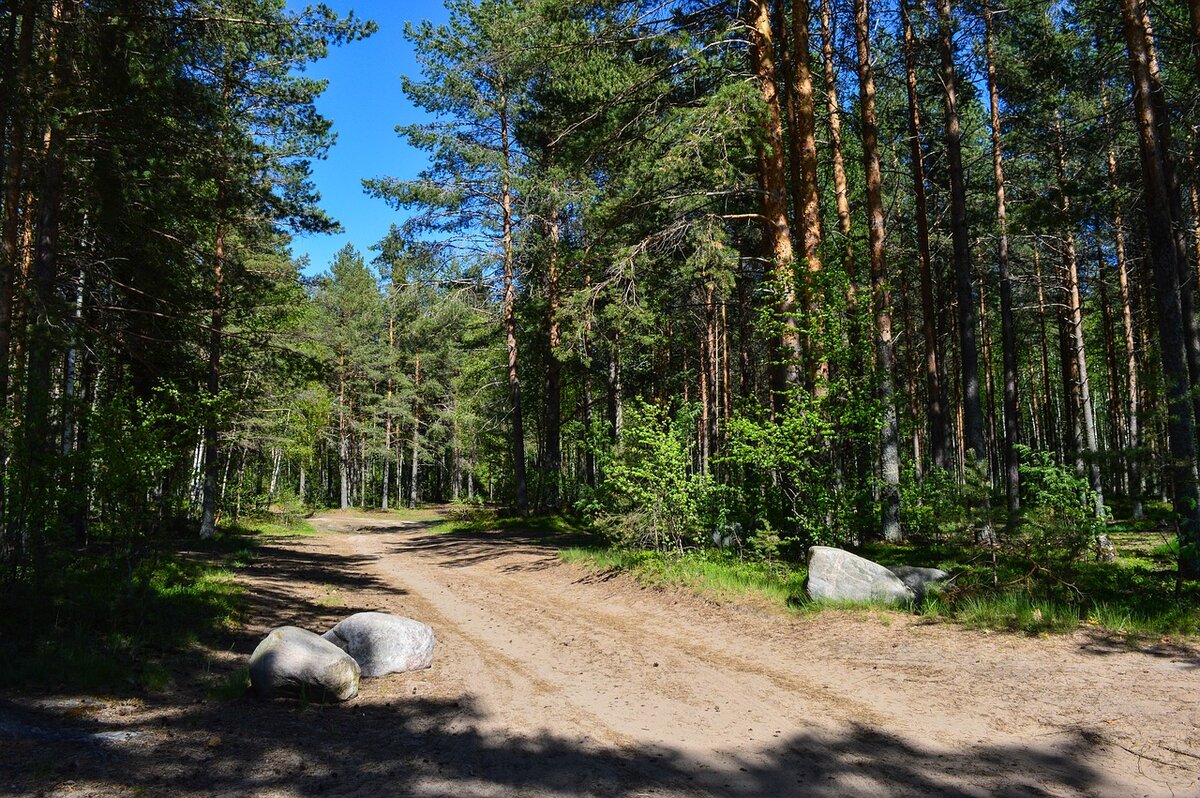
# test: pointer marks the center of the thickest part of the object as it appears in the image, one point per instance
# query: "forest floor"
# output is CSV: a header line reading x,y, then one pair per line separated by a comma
x,y
552,680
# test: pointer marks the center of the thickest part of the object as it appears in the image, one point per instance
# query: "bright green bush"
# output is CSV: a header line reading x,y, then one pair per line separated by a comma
x,y
651,496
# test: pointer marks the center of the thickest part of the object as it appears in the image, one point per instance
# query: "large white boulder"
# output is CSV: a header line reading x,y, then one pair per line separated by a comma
x,y
837,575
291,661
382,643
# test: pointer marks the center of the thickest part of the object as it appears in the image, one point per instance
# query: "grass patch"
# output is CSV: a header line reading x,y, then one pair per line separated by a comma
x,y
1134,597
1010,611
270,526
1137,595
231,687
99,625
116,620
712,573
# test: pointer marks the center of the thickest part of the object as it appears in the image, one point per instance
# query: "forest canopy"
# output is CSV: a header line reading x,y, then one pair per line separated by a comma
x,y
769,274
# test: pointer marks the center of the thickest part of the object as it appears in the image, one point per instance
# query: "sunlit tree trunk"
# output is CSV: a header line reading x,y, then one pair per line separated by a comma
x,y
777,233
1074,318
807,201
510,313
414,493
553,399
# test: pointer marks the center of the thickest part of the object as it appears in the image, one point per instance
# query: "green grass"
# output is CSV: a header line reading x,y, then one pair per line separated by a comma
x,y
716,574
119,621
269,526
1009,611
1133,597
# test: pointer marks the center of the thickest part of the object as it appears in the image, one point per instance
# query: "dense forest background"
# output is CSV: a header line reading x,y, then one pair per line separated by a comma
x,y
764,274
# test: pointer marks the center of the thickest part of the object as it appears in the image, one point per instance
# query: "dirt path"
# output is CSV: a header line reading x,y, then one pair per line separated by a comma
x,y
551,681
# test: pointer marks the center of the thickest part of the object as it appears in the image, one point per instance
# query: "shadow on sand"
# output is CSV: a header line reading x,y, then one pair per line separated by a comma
x,y
432,747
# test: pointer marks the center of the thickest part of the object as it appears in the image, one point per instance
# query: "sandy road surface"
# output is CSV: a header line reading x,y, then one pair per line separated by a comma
x,y
548,680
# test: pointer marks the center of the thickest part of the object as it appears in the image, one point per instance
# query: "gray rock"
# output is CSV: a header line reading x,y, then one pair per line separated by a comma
x,y
382,643
919,580
837,575
292,661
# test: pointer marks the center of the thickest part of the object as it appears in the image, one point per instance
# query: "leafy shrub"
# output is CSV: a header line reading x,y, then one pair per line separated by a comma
x,y
1058,516
789,480
651,495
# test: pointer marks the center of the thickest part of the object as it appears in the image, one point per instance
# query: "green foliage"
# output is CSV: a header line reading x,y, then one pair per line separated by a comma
x,y
706,571
932,508
1058,515
651,494
789,482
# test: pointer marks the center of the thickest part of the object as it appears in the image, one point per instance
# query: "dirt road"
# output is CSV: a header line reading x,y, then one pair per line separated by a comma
x,y
548,680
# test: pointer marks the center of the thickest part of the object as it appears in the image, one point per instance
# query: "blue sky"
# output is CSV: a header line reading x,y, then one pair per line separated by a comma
x,y
365,102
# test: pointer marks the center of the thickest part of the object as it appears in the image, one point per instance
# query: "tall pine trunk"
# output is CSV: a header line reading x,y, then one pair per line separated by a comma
x,y
1132,389
889,438
934,407
1008,335
806,201
510,313
1181,432
777,234
975,450
1074,318
553,402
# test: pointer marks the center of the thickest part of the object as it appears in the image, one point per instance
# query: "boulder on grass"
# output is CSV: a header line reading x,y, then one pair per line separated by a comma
x,y
919,580
837,575
382,643
296,662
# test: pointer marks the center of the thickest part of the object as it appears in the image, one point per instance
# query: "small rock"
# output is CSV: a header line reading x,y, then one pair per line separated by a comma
x,y
290,660
919,580
382,643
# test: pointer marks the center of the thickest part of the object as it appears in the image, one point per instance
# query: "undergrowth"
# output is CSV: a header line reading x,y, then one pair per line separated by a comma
x,y
714,573
104,619
1134,596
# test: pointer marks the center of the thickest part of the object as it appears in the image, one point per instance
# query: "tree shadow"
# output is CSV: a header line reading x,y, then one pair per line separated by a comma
x,y
442,747
1104,644
462,549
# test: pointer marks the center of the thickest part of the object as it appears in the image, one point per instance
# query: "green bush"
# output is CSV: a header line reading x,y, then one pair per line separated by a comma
x,y
1058,521
651,497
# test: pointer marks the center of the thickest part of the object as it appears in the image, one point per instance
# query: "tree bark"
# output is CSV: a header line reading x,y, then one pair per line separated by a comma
x,y
975,452
510,313
1008,335
1164,256
1049,423
889,433
807,200
833,107
1075,326
9,242
414,496
553,367
39,461
777,233
935,410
